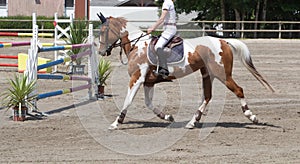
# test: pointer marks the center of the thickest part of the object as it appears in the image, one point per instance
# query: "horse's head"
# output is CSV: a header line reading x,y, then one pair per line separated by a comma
x,y
111,31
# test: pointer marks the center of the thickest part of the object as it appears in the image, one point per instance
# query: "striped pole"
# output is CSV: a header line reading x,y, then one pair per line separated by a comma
x,y
65,47
16,44
63,77
16,34
66,59
63,91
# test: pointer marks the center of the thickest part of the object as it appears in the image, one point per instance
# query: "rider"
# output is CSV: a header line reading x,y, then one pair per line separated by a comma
x,y
168,17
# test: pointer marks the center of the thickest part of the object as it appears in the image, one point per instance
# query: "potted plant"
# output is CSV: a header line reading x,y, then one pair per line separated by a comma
x,y
78,35
104,70
19,96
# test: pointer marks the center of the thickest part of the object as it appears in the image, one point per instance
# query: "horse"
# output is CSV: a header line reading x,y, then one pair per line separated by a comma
x,y
213,57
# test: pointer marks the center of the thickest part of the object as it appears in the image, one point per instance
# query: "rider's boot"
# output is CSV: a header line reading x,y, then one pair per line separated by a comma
x,y
162,55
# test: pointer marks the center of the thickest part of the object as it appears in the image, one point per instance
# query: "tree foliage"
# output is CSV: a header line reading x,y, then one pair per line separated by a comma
x,y
243,10
278,10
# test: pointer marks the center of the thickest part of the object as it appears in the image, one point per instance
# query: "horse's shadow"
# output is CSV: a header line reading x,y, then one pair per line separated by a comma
x,y
175,125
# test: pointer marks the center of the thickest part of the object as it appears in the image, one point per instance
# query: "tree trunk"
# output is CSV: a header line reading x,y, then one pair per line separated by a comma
x,y
256,17
264,11
264,14
237,25
223,16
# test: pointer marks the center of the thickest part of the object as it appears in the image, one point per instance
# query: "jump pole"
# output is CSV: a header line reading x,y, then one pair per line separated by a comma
x,y
8,64
65,47
8,57
63,91
66,59
18,44
20,34
14,44
63,77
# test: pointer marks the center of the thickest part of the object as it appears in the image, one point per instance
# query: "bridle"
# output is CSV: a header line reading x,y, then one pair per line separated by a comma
x,y
107,46
116,44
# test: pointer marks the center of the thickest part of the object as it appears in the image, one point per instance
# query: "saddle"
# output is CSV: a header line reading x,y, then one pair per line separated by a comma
x,y
175,41
176,46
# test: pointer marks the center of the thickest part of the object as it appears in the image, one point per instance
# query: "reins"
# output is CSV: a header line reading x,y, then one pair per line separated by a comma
x,y
122,44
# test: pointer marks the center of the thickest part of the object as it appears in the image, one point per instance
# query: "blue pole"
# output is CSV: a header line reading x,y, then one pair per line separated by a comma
x,y
47,76
50,94
56,62
56,48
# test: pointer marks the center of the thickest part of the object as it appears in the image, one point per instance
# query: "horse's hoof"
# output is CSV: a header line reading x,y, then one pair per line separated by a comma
x,y
112,127
254,119
190,125
170,118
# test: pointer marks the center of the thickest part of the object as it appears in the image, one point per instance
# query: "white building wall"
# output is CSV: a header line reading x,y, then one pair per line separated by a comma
x,y
69,11
3,11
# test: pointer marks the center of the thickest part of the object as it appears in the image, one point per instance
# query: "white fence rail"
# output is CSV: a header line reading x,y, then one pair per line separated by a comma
x,y
278,28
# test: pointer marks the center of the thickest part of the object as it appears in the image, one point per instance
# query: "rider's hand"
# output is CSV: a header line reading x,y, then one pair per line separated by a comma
x,y
150,29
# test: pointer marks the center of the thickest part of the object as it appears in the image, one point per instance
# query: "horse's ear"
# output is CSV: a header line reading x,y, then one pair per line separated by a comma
x,y
101,17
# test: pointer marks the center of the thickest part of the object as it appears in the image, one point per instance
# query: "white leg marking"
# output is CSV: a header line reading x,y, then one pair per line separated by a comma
x,y
114,125
243,102
191,123
248,112
203,106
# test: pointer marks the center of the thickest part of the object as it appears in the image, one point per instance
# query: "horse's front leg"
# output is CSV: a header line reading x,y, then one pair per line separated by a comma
x,y
148,91
135,82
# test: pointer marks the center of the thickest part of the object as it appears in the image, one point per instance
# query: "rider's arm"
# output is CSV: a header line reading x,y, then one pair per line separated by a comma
x,y
159,21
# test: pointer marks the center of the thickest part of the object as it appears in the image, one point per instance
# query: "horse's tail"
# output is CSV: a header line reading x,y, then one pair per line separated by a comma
x,y
243,52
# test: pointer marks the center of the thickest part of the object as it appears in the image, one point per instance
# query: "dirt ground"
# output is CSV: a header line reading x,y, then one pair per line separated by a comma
x,y
75,130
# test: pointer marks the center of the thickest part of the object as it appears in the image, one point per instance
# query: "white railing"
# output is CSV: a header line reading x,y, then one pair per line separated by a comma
x,y
277,27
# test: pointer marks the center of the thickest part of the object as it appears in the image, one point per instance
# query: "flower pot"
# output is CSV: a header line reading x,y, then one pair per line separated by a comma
x,y
19,115
100,91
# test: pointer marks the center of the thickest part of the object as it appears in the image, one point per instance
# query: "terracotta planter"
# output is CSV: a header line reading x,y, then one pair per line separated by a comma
x,y
100,91
19,116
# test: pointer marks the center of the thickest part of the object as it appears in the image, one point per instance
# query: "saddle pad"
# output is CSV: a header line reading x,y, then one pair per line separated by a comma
x,y
175,57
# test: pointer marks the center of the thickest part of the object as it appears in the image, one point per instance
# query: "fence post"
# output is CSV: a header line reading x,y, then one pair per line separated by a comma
x,y
203,29
243,27
279,33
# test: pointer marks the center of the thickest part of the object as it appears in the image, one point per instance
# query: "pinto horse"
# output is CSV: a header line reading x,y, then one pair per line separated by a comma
x,y
212,56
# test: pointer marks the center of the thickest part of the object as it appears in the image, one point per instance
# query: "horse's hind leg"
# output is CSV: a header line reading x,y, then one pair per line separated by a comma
x,y
148,91
207,94
238,91
224,74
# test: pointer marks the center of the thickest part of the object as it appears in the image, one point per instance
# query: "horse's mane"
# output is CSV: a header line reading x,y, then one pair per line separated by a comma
x,y
119,21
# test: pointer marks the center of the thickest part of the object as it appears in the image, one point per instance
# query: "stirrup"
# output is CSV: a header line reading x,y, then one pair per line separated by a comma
x,y
164,73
